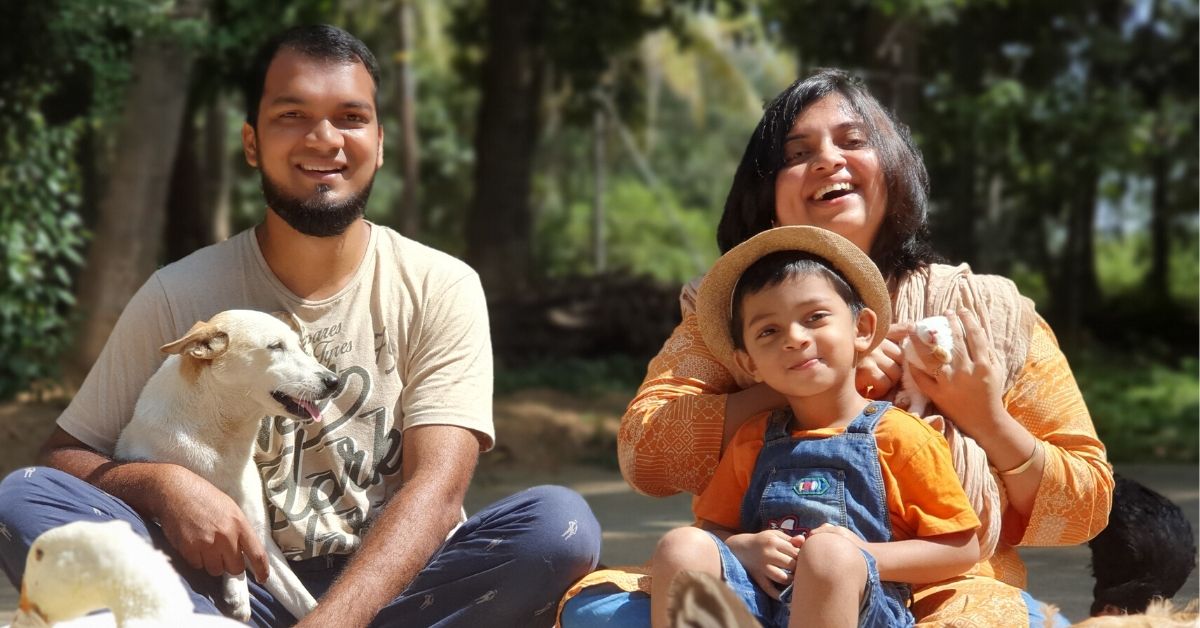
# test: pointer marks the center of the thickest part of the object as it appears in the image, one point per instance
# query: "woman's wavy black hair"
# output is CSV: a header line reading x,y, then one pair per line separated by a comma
x,y
902,244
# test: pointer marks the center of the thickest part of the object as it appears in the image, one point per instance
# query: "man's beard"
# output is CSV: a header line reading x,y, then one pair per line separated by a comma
x,y
316,216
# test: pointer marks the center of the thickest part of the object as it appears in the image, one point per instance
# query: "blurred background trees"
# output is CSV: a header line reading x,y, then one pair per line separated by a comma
x,y
577,154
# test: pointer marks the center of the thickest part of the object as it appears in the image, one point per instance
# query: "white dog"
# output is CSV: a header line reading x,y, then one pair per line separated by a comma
x,y
241,365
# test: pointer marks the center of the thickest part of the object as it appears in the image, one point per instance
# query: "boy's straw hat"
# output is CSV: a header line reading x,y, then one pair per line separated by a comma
x,y
714,301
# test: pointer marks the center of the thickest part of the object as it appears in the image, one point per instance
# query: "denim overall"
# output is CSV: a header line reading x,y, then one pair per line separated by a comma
x,y
799,484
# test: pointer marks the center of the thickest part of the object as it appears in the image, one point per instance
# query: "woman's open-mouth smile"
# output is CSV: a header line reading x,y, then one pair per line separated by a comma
x,y
834,194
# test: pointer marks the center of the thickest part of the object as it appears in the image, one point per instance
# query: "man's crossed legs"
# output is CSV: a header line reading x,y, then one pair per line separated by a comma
x,y
508,565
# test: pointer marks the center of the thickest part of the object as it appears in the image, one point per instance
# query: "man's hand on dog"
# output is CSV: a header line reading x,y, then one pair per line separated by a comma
x,y
207,527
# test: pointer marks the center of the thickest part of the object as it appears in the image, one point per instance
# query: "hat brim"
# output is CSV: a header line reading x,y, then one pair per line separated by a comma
x,y
714,301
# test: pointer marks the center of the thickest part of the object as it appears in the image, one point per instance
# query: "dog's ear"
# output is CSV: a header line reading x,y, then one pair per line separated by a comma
x,y
204,341
291,321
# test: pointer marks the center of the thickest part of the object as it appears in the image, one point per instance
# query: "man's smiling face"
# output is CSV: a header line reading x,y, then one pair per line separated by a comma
x,y
318,143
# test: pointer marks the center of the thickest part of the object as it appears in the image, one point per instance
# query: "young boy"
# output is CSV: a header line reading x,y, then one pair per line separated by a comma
x,y
822,513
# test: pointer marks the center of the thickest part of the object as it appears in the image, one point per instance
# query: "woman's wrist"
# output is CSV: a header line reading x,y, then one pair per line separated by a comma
x,y
1019,458
1024,466
1008,445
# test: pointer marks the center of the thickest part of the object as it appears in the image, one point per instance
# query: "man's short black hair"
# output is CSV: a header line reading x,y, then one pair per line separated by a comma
x,y
320,42
773,269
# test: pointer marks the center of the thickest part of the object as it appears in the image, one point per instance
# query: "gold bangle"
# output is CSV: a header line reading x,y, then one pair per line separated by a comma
x,y
1024,466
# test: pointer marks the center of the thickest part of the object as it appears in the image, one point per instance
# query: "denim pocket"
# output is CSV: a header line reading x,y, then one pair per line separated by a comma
x,y
797,500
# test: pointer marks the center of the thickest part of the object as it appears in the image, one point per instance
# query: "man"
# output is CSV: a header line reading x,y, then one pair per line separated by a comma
x,y
362,502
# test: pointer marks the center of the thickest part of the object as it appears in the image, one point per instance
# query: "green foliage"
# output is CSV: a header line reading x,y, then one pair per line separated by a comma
x,y
83,47
1143,410
446,115
1184,269
1123,266
684,101
1021,110
40,242
70,64
648,233
581,41
1122,263
578,376
233,32
1031,283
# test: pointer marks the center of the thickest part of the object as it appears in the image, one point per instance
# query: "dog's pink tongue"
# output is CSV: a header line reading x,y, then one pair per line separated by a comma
x,y
311,409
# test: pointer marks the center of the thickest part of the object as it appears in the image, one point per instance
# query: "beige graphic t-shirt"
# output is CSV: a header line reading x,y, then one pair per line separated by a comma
x,y
408,337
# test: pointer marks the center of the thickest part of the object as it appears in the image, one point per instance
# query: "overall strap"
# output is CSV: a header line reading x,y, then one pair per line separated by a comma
x,y
866,420
777,427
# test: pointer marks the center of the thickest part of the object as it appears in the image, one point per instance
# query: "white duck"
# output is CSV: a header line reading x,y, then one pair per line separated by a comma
x,y
85,566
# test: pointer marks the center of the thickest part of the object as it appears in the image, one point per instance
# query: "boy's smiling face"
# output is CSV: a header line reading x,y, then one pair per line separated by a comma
x,y
801,337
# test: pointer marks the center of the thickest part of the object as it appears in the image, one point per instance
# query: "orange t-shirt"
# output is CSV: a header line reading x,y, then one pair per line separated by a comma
x,y
923,495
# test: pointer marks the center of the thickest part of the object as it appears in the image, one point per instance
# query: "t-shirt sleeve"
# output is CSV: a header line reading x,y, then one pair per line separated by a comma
x,y
105,401
449,363
923,492
721,500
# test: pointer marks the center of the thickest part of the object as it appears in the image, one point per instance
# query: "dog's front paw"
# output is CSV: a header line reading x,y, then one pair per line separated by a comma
x,y
236,597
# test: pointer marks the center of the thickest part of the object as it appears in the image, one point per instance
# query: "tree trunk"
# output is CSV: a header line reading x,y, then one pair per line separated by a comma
x,y
1160,241
500,222
896,76
129,231
186,224
1078,289
956,226
599,238
406,107
198,201
994,254
219,182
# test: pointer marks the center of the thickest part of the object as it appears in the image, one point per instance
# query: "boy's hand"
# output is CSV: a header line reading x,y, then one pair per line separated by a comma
x,y
768,556
879,371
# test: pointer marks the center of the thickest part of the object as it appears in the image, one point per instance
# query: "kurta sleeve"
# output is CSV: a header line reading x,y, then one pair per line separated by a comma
x,y
670,436
1075,495
721,501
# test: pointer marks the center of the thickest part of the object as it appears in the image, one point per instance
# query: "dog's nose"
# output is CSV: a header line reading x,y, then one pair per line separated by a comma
x,y
330,381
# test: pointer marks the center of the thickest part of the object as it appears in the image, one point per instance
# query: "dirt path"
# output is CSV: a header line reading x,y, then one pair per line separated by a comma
x,y
536,429
24,425
632,524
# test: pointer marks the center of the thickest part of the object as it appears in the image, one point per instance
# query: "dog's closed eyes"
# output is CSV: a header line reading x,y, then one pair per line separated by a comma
x,y
260,354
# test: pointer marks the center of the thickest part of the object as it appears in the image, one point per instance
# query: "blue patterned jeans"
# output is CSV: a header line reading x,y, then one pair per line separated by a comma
x,y
508,565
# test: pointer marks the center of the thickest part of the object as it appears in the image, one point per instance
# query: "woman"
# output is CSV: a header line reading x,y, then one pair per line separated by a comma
x,y
826,154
